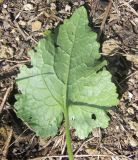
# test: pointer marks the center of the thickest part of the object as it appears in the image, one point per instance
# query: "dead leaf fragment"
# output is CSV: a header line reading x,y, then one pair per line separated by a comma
x,y
113,16
132,58
36,26
91,151
109,46
5,51
134,126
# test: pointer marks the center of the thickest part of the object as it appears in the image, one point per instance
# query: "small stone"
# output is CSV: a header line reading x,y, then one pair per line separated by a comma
x,y
28,7
22,23
76,3
135,106
136,20
5,5
130,95
82,2
133,125
6,25
52,6
117,128
67,8
137,134
133,142
13,31
17,39
36,26
91,151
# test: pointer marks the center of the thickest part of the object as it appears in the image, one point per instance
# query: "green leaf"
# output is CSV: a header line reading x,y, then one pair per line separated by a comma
x,y
84,119
67,73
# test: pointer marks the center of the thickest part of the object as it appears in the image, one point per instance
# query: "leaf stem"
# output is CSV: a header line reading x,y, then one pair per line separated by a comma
x,y
68,137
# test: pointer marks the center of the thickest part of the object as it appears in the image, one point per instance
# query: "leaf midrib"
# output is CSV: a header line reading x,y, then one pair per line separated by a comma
x,y
68,75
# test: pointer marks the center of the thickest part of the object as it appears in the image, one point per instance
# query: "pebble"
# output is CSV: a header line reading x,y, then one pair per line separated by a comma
x,y
28,7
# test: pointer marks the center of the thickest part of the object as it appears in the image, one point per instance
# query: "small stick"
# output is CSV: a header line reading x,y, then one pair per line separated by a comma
x,y
20,31
82,156
105,17
18,137
83,145
18,62
4,99
6,147
35,18
63,150
107,150
64,146
128,77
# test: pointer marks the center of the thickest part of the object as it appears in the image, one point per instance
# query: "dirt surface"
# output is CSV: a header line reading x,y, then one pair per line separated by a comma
x,y
22,24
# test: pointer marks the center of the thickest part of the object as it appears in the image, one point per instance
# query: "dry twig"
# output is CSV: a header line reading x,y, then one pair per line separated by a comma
x,y
6,146
4,99
105,17
83,145
83,156
20,31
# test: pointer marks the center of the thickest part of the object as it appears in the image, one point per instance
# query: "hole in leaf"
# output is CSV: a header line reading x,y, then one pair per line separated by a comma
x,y
30,118
99,70
73,119
56,45
93,116
34,49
